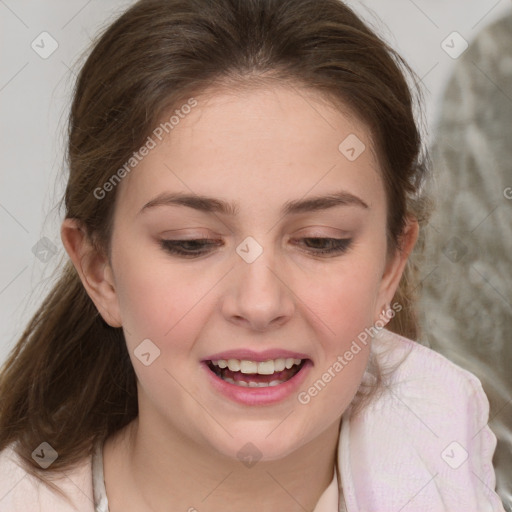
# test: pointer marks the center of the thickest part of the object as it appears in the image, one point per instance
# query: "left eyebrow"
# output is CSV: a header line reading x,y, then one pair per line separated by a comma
x,y
316,203
214,205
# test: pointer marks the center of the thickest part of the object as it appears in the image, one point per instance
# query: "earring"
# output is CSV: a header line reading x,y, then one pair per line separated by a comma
x,y
385,316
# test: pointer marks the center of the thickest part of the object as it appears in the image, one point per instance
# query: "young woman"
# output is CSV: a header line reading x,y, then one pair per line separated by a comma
x,y
246,186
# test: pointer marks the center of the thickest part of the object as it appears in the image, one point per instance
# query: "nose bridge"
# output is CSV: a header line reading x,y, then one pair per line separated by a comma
x,y
258,295
258,279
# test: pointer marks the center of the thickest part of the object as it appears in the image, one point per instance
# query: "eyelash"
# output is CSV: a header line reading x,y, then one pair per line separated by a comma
x,y
172,246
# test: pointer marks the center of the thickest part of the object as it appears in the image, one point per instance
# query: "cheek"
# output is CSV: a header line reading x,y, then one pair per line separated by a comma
x,y
155,301
159,307
344,300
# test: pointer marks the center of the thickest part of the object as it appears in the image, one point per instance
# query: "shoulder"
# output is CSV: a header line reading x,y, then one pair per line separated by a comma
x,y
429,373
427,390
424,439
20,491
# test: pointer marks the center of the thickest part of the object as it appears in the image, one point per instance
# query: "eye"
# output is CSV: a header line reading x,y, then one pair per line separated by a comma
x,y
189,248
328,245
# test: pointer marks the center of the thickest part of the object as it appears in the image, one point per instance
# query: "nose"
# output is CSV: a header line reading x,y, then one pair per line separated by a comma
x,y
258,296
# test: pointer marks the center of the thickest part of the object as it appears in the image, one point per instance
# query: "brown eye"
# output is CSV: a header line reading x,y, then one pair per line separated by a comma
x,y
188,248
328,245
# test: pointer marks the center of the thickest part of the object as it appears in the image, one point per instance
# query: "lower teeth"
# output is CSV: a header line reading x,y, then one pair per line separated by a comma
x,y
252,384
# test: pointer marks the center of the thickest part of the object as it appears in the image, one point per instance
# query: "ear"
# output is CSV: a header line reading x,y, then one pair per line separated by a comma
x,y
94,270
395,267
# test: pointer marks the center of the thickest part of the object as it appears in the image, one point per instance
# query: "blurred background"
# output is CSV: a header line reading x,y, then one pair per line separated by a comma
x,y
461,51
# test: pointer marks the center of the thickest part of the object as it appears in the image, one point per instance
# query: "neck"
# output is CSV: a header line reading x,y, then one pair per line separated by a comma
x,y
165,471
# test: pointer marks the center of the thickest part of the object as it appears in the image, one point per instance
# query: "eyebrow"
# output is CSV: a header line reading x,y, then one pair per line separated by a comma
x,y
214,205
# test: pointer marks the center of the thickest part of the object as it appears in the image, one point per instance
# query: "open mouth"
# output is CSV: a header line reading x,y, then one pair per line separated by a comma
x,y
253,374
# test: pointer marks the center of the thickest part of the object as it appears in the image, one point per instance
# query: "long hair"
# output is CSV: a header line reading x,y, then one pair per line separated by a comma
x,y
69,380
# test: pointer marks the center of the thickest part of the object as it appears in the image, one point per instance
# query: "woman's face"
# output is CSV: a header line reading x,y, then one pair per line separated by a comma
x,y
261,175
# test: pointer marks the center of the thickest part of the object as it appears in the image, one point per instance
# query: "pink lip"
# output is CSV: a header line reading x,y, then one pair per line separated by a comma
x,y
251,355
258,396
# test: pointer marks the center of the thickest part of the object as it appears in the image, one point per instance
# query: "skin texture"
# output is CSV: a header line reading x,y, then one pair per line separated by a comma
x,y
260,148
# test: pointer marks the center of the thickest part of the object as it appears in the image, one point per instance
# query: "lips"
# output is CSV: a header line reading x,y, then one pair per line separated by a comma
x,y
248,369
252,389
252,374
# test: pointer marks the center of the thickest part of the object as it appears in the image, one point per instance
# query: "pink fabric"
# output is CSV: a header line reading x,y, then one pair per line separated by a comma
x,y
20,492
404,452
407,451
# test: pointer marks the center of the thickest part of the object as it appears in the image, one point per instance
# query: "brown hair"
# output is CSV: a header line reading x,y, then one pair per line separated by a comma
x,y
69,380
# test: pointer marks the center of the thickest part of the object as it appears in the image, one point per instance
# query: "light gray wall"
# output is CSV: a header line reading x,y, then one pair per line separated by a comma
x,y
35,94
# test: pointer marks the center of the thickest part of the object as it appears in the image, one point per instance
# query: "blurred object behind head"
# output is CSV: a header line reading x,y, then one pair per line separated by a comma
x,y
467,296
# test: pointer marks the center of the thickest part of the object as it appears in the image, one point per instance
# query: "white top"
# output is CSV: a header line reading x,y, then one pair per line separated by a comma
x,y
98,481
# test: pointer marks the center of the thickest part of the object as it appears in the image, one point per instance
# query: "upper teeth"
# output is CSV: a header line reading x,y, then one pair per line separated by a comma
x,y
263,368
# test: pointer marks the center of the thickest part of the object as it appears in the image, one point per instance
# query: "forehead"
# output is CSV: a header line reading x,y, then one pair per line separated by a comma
x,y
263,143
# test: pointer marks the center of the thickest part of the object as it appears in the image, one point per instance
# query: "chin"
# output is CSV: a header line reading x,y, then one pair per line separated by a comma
x,y
256,444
